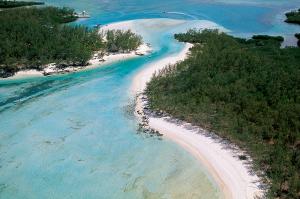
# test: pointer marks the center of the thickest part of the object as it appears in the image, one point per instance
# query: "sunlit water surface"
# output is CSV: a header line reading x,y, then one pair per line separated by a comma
x,y
75,136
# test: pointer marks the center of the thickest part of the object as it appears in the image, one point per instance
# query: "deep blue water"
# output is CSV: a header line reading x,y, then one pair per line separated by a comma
x,y
75,136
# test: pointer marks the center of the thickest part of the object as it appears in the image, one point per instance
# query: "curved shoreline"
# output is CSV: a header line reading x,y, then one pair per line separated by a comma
x,y
232,175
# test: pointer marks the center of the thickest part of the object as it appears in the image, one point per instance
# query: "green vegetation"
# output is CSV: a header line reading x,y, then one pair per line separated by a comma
x,y
293,17
297,35
32,37
244,90
267,37
122,41
14,4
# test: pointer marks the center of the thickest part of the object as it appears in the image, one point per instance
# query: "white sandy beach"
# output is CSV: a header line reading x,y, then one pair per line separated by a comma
x,y
140,81
231,174
93,63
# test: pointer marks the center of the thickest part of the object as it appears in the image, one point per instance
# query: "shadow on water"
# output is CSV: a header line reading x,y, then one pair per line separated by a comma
x,y
35,88
34,91
17,93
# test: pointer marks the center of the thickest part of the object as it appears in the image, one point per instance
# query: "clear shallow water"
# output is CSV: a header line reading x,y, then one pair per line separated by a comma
x,y
74,136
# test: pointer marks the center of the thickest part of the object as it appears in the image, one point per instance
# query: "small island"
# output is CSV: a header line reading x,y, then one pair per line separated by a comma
x,y
15,4
244,90
37,38
293,17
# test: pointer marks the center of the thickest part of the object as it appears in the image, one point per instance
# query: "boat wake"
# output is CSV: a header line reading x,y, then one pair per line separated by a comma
x,y
182,13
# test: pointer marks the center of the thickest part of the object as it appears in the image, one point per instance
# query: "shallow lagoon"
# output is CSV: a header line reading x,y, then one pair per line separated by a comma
x,y
75,136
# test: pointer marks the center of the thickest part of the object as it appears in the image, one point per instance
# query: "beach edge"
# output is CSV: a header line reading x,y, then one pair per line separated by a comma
x,y
234,177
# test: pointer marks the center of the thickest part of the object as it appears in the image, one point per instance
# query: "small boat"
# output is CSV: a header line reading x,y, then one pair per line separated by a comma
x,y
97,25
82,14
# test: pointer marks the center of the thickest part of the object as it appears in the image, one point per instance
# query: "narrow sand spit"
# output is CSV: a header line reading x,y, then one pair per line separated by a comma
x,y
231,174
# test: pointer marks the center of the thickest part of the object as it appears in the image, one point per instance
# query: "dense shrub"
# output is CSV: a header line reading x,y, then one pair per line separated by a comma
x,y
293,17
33,37
124,41
244,90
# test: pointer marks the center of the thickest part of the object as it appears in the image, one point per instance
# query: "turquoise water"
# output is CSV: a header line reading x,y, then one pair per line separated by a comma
x,y
75,136
240,16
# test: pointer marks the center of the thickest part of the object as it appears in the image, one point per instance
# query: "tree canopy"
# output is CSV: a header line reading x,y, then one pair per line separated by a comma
x,y
293,17
32,37
244,90
124,41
